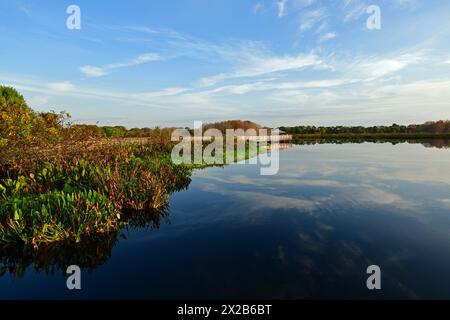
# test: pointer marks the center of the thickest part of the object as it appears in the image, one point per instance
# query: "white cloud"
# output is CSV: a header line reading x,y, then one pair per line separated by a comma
x,y
285,88
303,3
436,89
92,71
167,92
281,4
263,65
356,70
295,5
327,36
173,99
377,67
311,18
142,29
61,86
409,4
354,9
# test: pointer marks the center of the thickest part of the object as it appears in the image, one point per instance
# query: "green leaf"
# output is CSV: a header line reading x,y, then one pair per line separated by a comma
x,y
16,215
2,189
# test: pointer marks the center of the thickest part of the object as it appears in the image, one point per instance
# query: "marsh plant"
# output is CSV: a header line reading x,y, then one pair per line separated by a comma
x,y
69,196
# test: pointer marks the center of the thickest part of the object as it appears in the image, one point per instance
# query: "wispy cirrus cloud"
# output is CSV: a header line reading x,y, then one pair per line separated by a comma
x,y
410,4
93,71
353,86
354,9
281,5
358,70
377,67
258,65
292,5
286,86
61,86
311,18
326,37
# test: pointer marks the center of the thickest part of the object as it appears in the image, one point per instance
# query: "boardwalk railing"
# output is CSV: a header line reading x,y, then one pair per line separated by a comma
x,y
274,138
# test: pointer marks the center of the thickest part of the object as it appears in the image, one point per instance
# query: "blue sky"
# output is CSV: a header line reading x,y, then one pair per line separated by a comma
x,y
278,62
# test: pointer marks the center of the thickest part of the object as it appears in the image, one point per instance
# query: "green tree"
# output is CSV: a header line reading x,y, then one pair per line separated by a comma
x,y
16,118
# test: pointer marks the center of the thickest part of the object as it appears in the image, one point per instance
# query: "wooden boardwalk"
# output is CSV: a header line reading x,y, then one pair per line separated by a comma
x,y
274,138
285,138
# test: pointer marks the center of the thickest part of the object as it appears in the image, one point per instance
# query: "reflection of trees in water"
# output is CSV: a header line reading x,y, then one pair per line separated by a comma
x,y
427,143
88,254
147,219
438,143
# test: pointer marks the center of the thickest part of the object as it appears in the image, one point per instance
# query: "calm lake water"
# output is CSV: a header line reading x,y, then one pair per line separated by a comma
x,y
309,232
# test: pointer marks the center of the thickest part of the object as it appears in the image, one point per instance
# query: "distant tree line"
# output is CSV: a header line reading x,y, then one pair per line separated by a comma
x,y
232,124
120,131
438,127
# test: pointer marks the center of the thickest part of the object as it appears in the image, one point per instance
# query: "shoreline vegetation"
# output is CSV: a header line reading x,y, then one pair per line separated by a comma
x,y
373,136
429,130
61,182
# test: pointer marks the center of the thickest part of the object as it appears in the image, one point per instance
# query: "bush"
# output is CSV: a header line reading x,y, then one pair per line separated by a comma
x,y
16,118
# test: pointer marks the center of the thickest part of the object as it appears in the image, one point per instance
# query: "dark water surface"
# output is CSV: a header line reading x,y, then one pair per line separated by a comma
x,y
309,232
